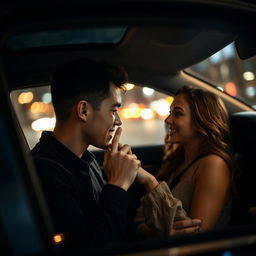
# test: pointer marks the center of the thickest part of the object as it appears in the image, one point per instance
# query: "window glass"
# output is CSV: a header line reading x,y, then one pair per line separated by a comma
x,y
229,73
108,35
143,112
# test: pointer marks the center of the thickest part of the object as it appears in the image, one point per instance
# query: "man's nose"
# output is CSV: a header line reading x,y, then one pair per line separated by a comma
x,y
118,121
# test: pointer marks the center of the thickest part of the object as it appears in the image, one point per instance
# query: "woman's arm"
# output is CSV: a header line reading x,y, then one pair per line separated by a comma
x,y
159,209
212,188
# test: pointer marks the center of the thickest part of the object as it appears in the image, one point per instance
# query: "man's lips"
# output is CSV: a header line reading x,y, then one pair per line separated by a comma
x,y
111,132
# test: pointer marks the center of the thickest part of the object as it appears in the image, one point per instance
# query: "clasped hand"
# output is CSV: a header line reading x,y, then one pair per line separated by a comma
x,y
120,165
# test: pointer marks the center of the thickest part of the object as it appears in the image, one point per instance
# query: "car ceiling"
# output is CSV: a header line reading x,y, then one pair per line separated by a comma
x,y
156,43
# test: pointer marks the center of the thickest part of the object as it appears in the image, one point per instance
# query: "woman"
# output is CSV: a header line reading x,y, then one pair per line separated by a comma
x,y
197,165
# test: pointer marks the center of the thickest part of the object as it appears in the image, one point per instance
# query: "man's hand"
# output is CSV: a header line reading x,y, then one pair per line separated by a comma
x,y
145,178
120,165
186,226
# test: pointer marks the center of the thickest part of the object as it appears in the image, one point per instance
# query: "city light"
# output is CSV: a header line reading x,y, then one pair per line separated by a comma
x,y
47,97
41,107
132,111
248,76
45,123
231,88
250,91
125,113
224,70
162,107
147,114
169,100
58,238
129,86
25,97
148,91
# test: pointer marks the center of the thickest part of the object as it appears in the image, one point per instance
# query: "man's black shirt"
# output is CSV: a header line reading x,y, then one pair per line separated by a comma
x,y
83,207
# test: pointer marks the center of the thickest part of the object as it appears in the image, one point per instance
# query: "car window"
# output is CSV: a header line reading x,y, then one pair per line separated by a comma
x,y
98,35
142,112
229,73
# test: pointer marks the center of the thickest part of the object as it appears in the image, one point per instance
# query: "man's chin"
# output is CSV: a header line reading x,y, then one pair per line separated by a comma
x,y
103,146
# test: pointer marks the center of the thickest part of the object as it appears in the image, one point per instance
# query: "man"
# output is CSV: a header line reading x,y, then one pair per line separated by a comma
x,y
87,208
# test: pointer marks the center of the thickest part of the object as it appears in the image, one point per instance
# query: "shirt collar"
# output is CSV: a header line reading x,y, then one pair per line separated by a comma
x,y
65,153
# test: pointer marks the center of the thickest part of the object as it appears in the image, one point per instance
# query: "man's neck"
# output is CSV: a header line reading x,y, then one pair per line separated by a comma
x,y
71,138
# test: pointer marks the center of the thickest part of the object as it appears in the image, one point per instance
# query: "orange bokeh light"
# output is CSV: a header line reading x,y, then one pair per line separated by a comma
x,y
231,88
58,238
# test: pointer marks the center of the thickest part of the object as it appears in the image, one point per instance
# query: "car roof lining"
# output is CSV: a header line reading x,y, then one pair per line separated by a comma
x,y
186,46
156,42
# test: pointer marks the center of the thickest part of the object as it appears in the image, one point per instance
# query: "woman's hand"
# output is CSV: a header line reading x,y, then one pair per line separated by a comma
x,y
145,178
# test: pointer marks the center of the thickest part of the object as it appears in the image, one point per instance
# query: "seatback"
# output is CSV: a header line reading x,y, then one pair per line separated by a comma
x,y
243,137
25,224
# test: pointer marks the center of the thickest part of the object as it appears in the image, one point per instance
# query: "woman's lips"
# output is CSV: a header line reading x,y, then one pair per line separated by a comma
x,y
171,132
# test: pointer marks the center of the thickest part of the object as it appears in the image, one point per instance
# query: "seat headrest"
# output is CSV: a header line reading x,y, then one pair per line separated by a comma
x,y
243,132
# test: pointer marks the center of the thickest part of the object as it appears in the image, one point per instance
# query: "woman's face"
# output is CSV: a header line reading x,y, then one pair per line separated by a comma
x,y
181,128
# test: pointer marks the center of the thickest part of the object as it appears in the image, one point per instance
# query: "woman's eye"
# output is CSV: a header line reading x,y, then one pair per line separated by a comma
x,y
177,113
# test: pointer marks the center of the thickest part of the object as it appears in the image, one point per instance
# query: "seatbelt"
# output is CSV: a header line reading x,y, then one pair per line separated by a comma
x,y
176,180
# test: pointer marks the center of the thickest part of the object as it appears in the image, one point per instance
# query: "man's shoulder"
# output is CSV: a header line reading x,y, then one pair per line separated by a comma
x,y
46,161
42,155
43,152
52,173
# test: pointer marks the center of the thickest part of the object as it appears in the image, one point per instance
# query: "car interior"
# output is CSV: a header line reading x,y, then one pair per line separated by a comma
x,y
157,42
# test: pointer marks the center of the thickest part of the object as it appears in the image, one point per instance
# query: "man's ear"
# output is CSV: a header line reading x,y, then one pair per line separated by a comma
x,y
82,109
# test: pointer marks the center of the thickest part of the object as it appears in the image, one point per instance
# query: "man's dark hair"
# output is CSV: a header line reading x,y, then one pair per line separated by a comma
x,y
83,79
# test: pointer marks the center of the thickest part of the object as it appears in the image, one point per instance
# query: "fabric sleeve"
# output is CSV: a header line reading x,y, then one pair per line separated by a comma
x,y
160,209
83,222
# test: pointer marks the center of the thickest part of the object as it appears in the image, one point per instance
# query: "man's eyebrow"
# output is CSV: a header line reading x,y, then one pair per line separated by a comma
x,y
117,104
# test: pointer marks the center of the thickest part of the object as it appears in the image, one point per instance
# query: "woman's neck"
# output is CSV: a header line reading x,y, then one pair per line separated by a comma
x,y
191,150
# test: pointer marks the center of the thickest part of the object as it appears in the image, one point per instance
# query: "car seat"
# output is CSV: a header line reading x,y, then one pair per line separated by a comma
x,y
243,138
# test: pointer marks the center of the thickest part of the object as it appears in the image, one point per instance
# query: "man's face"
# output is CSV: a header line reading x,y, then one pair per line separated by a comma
x,y
103,121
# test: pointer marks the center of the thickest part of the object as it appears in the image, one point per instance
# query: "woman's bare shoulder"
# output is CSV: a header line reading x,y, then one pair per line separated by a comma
x,y
211,166
212,159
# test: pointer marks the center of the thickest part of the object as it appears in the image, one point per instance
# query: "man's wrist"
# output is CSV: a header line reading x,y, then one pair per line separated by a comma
x,y
119,184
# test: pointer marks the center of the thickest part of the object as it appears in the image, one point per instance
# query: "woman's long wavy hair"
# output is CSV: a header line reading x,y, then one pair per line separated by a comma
x,y
210,118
